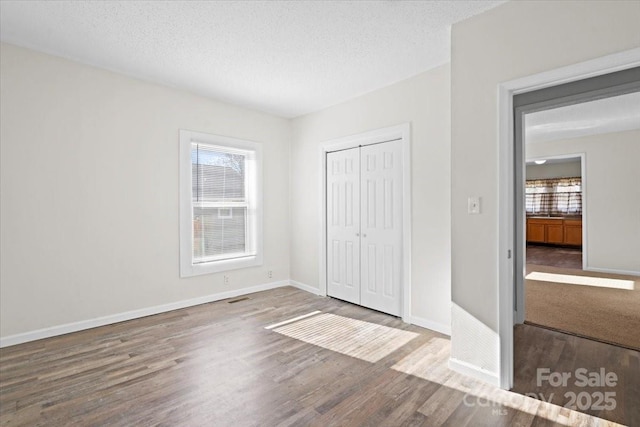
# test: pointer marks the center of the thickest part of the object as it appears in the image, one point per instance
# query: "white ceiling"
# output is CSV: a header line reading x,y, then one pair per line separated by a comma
x,y
607,115
283,57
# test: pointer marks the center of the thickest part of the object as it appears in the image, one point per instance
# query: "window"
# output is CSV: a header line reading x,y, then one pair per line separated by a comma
x,y
554,196
220,212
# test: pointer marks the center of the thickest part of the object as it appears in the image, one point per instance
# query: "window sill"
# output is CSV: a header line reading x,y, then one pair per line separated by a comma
x,y
189,270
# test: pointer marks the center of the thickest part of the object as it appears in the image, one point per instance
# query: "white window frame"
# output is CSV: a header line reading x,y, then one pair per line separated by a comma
x,y
254,179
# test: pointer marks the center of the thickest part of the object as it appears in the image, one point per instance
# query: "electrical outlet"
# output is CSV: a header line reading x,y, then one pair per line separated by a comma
x,y
270,274
226,279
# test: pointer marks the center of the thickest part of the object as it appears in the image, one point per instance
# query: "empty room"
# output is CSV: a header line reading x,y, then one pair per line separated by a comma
x,y
319,213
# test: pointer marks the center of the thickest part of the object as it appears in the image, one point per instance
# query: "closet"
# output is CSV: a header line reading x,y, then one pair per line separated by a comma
x,y
364,225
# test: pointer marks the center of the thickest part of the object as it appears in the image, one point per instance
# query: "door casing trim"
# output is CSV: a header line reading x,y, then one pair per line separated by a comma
x,y
400,132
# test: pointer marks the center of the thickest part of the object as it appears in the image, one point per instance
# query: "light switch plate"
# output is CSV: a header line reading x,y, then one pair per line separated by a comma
x,y
473,205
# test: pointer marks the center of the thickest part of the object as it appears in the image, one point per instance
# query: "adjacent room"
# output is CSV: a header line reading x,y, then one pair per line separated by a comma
x,y
288,213
581,240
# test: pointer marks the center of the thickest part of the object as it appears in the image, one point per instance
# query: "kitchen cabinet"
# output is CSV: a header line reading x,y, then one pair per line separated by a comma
x,y
573,232
554,230
536,231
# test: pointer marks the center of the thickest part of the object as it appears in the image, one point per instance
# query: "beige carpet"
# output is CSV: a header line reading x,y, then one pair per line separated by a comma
x,y
602,306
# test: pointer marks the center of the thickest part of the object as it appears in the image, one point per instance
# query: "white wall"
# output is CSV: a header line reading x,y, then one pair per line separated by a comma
x,y
553,170
90,191
424,102
514,40
612,197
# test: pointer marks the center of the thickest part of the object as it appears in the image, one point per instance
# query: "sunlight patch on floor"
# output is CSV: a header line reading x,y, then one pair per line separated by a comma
x,y
601,282
355,338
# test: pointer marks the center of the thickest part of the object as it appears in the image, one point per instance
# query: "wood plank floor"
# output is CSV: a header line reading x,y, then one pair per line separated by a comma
x,y
217,365
539,348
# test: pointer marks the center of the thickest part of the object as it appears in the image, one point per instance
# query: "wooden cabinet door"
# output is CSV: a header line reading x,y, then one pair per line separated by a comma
x,y
535,232
573,232
555,233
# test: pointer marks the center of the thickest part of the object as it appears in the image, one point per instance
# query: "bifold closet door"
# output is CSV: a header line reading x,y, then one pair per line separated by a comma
x,y
343,225
381,227
364,226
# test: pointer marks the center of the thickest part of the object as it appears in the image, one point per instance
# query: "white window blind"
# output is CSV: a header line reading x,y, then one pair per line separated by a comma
x,y
221,206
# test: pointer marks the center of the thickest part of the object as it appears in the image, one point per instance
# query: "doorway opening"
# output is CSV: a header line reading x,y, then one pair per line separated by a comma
x,y
582,276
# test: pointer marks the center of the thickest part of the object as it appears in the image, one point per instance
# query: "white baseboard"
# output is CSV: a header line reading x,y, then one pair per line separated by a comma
x,y
134,314
429,324
474,371
304,287
612,271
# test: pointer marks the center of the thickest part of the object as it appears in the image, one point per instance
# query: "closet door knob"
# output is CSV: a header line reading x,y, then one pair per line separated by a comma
x,y
364,235
357,234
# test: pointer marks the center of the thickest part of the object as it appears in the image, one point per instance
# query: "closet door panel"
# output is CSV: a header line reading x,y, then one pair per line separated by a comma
x,y
381,242
343,225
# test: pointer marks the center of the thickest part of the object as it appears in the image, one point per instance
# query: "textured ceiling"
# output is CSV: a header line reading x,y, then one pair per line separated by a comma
x,y
283,57
614,114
